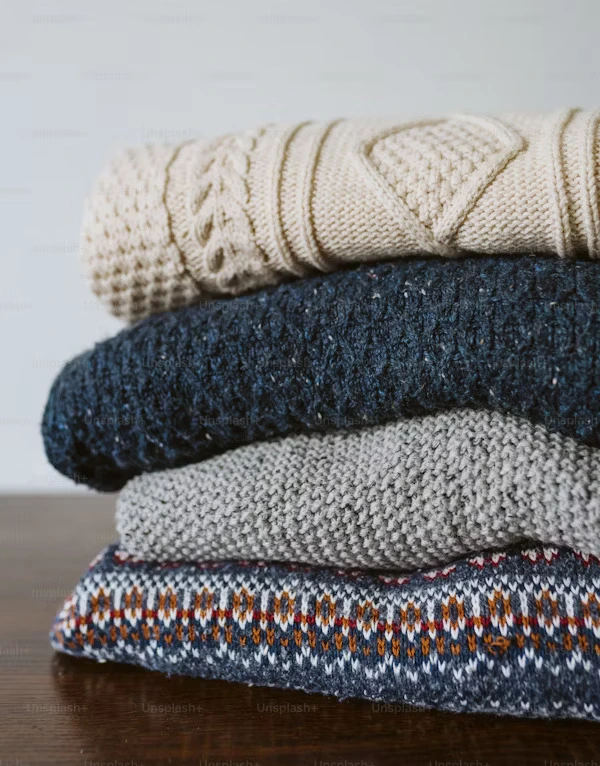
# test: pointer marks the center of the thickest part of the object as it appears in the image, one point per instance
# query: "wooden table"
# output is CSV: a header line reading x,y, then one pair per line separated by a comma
x,y
58,710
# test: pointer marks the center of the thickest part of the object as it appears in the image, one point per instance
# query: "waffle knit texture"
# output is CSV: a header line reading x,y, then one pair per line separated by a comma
x,y
352,348
514,632
413,493
170,225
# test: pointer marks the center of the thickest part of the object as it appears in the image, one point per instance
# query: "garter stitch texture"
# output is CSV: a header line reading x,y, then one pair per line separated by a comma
x,y
414,493
169,225
352,348
514,632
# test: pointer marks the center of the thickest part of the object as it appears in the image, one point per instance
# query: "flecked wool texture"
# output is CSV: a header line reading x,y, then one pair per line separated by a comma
x,y
515,632
417,492
518,335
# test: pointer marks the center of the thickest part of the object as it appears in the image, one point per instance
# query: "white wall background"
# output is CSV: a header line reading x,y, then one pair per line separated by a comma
x,y
79,79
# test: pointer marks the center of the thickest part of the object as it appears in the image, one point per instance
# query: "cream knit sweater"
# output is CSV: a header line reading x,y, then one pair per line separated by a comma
x,y
171,225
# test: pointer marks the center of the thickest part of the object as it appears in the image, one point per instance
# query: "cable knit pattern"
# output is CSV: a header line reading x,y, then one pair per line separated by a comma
x,y
166,226
353,348
515,632
415,493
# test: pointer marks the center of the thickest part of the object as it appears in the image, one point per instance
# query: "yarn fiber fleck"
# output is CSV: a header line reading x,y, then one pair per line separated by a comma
x,y
413,493
361,347
171,225
515,632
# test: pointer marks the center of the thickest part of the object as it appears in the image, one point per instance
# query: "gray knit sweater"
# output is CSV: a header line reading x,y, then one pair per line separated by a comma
x,y
416,492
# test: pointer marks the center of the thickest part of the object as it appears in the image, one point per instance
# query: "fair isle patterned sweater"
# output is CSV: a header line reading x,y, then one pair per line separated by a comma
x,y
514,632
167,226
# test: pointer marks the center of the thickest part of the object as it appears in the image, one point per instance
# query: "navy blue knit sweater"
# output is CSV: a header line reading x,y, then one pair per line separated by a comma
x,y
519,335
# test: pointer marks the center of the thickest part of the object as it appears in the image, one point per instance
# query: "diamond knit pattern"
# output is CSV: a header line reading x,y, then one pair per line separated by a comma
x,y
427,165
166,226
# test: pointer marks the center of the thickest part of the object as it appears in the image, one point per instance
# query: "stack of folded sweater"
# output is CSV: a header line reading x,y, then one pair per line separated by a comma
x,y
355,420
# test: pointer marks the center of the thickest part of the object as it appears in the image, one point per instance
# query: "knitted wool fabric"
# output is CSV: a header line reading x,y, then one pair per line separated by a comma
x,y
414,493
515,632
352,348
169,225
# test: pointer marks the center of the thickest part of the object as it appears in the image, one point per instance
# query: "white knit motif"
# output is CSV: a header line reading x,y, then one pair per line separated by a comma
x,y
166,226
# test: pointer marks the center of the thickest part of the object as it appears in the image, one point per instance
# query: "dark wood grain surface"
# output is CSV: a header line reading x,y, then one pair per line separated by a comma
x,y
59,710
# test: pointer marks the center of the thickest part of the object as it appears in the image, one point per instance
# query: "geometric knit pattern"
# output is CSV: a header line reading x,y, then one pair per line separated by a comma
x,y
413,493
517,335
166,226
515,632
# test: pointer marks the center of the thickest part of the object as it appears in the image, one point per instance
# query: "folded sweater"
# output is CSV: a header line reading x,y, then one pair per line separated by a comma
x,y
169,225
414,493
360,347
514,632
